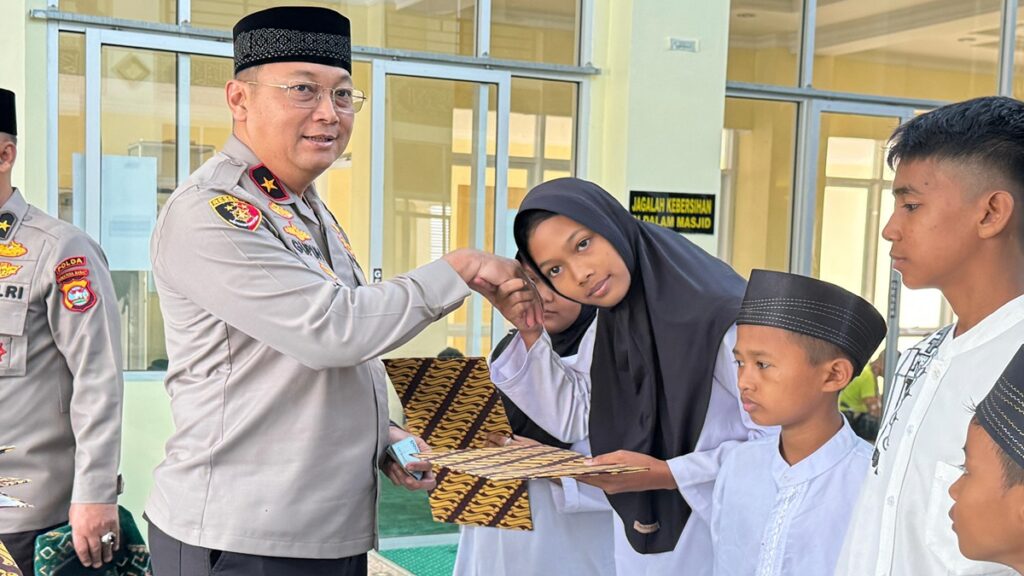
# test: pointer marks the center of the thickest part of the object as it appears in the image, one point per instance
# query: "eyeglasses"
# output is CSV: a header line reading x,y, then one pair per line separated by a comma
x,y
308,95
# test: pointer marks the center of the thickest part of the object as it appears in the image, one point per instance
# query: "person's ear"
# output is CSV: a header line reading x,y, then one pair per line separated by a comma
x,y
8,154
998,209
239,96
838,373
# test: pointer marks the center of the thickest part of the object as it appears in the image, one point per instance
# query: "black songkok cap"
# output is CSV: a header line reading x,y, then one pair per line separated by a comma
x,y
814,308
8,117
1001,413
293,34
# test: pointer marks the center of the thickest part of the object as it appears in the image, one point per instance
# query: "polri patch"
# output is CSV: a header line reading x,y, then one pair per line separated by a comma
x,y
12,292
12,249
7,221
69,263
7,269
280,211
236,212
78,296
268,183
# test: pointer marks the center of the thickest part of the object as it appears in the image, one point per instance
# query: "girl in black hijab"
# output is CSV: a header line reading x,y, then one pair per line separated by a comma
x,y
566,323
572,524
663,377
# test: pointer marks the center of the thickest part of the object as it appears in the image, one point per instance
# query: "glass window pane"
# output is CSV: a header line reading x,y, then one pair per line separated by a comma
x,y
757,183
940,50
543,139
850,193
764,42
437,199
535,30
855,195
139,171
162,11
1018,56
70,126
209,118
445,26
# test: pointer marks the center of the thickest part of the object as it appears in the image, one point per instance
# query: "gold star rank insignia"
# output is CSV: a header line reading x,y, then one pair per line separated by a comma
x,y
7,220
263,178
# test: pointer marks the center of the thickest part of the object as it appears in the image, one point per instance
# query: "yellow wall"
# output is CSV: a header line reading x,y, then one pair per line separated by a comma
x,y
764,135
656,118
860,75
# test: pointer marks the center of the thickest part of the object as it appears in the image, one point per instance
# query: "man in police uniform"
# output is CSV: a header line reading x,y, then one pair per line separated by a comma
x,y
273,334
60,374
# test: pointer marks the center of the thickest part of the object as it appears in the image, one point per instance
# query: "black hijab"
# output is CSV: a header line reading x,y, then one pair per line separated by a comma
x,y
565,343
655,351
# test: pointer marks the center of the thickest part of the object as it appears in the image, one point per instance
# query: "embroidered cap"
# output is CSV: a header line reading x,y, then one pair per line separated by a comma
x,y
814,308
293,34
8,118
1001,413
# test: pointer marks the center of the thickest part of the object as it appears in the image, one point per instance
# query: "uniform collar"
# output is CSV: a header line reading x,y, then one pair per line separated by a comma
x,y
992,326
12,213
265,180
822,460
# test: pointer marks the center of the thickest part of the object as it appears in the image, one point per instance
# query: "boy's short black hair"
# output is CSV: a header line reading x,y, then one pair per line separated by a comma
x,y
820,351
987,133
1013,474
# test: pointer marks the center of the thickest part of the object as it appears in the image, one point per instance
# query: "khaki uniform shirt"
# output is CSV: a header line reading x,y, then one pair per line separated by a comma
x,y
61,385
277,393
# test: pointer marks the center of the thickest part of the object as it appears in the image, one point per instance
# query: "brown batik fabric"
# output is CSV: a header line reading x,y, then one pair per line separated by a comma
x,y
7,564
524,463
453,405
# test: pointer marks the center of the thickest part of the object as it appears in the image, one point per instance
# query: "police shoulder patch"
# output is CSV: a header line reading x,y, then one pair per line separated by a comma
x,y
238,213
268,183
69,263
78,295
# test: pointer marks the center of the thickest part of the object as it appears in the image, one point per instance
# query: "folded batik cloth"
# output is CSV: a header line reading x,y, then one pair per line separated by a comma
x,y
453,405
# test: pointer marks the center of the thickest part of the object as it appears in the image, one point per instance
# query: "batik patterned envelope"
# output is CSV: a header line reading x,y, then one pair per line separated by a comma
x,y
453,405
523,463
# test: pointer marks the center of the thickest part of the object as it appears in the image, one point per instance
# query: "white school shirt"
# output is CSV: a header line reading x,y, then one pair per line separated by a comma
x,y
901,525
766,514
726,425
572,523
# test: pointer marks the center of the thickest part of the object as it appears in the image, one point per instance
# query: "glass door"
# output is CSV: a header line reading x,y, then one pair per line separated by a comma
x,y
854,201
440,168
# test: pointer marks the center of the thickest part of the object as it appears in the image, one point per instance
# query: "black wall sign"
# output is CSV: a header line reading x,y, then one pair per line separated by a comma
x,y
690,213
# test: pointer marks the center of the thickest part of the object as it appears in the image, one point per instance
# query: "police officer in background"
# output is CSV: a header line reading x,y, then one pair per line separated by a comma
x,y
60,374
273,334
